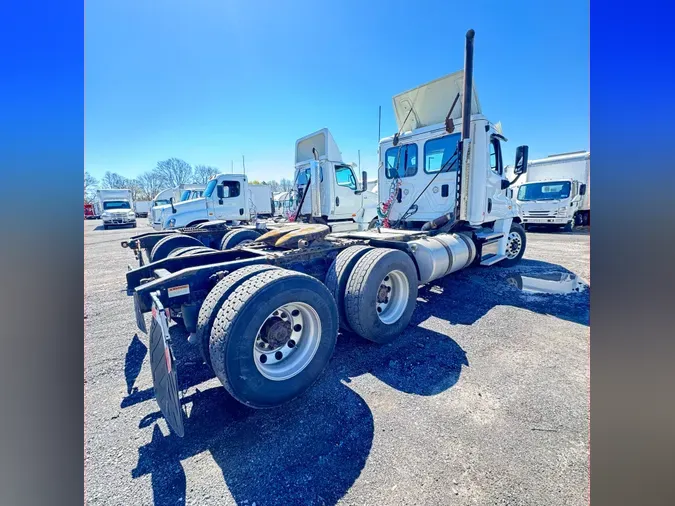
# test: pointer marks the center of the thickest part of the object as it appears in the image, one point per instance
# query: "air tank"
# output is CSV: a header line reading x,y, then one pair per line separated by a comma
x,y
442,254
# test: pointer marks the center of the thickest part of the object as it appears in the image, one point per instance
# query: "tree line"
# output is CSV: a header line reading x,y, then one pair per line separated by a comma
x,y
166,174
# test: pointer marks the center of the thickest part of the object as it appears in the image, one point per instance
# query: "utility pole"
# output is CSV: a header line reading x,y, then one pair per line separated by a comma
x,y
232,166
243,164
379,124
360,159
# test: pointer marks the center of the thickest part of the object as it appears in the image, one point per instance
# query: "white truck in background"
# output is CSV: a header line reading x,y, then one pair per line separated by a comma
x,y
142,208
556,191
339,199
115,207
226,198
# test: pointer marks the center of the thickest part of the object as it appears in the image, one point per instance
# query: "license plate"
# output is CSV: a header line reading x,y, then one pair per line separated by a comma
x,y
539,220
163,367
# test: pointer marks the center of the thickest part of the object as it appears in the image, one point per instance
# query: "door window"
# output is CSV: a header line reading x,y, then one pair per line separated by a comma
x,y
401,161
231,189
440,154
495,156
345,177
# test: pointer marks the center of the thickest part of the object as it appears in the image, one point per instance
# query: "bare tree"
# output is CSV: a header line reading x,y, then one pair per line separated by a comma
x,y
90,186
150,183
113,180
274,185
174,172
286,184
203,173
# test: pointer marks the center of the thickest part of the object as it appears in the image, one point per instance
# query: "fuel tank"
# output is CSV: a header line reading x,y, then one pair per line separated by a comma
x,y
442,254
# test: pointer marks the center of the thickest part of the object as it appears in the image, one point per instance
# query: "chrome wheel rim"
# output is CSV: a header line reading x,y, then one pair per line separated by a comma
x,y
392,297
514,244
287,341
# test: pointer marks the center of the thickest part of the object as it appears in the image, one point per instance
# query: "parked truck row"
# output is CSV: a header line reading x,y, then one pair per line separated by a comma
x,y
265,308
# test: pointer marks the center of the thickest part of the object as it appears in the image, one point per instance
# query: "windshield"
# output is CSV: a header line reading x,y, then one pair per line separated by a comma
x,y
544,191
161,203
116,204
209,187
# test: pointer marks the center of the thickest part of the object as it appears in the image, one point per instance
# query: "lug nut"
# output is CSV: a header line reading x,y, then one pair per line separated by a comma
x,y
291,343
278,355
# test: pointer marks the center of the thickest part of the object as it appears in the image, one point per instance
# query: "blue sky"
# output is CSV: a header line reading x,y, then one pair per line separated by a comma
x,y
210,81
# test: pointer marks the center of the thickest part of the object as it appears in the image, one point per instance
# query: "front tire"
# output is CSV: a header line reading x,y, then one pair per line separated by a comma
x,y
515,245
381,294
287,317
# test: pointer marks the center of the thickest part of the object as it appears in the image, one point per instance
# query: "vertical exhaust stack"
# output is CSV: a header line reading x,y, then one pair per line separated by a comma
x,y
464,169
464,166
468,84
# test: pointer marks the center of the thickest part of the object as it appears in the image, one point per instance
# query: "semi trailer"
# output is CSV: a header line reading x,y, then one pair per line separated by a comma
x,y
265,314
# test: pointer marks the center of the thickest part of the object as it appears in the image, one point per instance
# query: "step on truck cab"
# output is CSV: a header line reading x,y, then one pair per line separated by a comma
x,y
226,197
265,314
557,191
334,195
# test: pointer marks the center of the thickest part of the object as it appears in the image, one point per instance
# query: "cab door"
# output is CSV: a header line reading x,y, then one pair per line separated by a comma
x,y
227,202
497,202
347,201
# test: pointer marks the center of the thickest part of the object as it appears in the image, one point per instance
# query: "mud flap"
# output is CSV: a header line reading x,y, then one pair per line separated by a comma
x,y
140,320
162,363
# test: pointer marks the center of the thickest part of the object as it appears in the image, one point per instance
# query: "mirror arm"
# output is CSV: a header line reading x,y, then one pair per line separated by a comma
x,y
512,182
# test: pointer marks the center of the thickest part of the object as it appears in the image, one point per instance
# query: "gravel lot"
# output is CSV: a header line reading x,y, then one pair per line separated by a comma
x,y
483,400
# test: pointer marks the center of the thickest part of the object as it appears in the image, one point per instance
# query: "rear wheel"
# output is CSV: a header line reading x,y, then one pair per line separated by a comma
x,y
515,245
338,275
236,237
182,251
214,300
273,337
169,243
381,294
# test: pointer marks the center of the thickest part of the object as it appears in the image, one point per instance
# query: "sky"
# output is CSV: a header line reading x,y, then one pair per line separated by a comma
x,y
210,81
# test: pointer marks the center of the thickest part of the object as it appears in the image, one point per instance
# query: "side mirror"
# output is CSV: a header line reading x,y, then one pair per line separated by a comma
x,y
582,189
173,209
364,181
520,166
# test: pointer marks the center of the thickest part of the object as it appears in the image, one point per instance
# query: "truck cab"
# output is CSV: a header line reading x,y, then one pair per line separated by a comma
x,y
225,198
417,176
333,194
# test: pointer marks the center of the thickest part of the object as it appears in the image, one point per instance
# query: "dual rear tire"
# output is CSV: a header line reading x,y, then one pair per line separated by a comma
x,y
375,290
271,333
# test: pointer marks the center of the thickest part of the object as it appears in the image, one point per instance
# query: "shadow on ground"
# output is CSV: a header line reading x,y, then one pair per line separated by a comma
x,y
313,449
466,296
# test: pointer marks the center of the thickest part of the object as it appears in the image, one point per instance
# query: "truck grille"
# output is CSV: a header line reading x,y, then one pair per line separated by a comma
x,y
538,214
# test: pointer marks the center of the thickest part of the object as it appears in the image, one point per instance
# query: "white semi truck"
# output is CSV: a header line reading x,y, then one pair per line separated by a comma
x,y
266,315
115,207
227,198
556,191
336,197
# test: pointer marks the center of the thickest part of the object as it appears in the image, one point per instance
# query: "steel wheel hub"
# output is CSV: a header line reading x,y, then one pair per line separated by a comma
x,y
287,341
514,244
392,297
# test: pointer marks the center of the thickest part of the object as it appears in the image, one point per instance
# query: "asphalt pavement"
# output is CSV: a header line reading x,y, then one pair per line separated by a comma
x,y
483,400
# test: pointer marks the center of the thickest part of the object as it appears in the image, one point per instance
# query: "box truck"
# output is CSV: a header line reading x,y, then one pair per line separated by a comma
x,y
556,191
115,207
